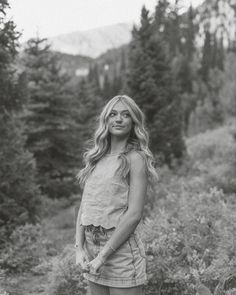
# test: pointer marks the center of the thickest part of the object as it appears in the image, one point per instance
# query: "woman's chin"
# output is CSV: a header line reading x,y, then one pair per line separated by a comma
x,y
119,133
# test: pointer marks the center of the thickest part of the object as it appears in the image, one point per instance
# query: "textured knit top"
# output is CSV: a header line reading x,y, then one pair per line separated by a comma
x,y
105,195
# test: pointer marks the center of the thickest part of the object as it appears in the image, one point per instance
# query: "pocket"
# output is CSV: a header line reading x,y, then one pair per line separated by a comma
x,y
140,245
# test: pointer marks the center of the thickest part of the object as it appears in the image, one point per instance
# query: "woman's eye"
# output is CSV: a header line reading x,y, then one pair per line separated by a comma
x,y
126,115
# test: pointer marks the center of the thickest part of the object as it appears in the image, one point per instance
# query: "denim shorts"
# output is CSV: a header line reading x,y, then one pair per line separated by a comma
x,y
124,268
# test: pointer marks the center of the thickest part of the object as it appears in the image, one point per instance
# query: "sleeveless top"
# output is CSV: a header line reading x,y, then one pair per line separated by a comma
x,y
105,195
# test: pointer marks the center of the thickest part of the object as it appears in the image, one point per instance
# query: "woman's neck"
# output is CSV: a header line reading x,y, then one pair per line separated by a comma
x,y
117,146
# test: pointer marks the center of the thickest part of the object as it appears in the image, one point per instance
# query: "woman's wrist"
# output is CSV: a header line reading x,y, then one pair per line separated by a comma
x,y
101,258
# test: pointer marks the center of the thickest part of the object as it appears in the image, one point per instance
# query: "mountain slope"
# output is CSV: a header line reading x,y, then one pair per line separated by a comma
x,y
93,42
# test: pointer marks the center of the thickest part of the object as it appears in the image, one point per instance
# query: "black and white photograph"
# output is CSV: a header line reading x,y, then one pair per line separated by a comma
x,y
118,147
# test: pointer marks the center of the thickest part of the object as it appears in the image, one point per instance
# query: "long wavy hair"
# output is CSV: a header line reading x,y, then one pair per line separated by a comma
x,y
138,141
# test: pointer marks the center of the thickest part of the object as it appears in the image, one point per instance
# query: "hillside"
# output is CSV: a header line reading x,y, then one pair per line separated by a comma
x,y
92,42
76,66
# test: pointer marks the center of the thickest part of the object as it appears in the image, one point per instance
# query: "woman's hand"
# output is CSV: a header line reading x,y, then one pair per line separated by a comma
x,y
82,259
95,264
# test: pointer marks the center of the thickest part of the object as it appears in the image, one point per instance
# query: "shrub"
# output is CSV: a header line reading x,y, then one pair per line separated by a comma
x,y
66,277
190,238
213,156
25,249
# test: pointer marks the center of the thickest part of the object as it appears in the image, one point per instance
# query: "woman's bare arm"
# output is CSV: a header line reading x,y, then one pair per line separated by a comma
x,y
137,194
79,233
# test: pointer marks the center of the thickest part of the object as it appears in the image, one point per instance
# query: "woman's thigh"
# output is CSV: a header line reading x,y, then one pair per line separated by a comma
x,y
127,291
97,289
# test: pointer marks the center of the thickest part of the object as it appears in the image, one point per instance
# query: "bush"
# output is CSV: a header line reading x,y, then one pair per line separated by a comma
x,y
66,277
190,238
213,156
25,249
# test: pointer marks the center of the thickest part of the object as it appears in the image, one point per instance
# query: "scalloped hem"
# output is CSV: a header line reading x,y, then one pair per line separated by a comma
x,y
99,223
116,282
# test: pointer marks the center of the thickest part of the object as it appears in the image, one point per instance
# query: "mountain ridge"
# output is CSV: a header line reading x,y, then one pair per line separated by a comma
x,y
93,42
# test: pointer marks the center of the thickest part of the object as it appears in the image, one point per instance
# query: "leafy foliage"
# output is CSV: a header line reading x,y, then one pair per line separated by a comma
x,y
66,277
25,249
190,240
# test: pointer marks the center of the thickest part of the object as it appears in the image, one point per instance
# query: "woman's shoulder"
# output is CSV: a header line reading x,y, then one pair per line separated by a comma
x,y
136,158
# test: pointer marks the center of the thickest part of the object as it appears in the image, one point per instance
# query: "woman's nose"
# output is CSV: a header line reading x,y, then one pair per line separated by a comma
x,y
118,118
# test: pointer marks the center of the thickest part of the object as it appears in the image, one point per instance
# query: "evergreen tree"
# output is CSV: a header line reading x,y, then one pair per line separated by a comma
x,y
19,194
123,70
161,17
217,54
206,56
93,79
227,93
190,33
117,85
107,87
220,60
9,46
52,130
151,85
187,60
169,24
89,106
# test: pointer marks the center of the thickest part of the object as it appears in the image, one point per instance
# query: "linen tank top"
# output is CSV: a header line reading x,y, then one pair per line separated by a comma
x,y
105,195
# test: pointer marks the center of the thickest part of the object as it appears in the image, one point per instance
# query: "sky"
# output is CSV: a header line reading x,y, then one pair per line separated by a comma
x,y
48,18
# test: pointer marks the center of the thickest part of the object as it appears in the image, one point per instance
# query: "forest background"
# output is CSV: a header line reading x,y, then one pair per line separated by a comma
x,y
181,71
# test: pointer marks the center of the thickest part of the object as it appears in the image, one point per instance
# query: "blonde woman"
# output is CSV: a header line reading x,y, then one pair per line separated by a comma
x,y
118,170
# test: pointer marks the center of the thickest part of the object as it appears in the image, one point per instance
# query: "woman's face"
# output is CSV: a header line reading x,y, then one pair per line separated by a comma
x,y
119,120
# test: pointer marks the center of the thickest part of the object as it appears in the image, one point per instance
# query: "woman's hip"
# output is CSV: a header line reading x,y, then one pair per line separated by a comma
x,y
126,264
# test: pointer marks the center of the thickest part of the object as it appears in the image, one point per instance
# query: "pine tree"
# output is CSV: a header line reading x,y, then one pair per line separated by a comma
x,y
107,87
151,85
89,106
52,130
19,194
186,72
123,69
206,56
93,79
9,46
190,33
221,54
116,85
168,23
161,16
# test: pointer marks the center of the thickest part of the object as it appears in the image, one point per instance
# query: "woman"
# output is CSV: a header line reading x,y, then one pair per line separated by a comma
x,y
118,170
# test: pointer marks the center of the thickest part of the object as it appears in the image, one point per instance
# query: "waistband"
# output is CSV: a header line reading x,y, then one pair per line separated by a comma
x,y
98,229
